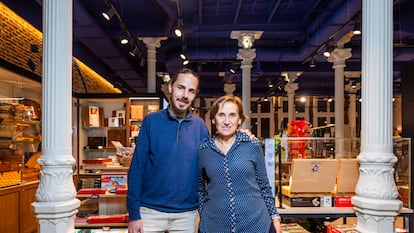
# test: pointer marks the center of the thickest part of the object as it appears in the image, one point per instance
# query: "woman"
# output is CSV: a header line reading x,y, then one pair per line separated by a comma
x,y
235,195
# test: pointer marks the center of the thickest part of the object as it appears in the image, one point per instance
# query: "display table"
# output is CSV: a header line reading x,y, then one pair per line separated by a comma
x,y
335,212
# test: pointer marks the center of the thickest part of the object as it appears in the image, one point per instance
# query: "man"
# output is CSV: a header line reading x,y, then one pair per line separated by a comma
x,y
162,179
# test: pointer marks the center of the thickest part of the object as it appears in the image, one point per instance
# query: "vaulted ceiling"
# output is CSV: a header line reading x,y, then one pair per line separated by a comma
x,y
294,31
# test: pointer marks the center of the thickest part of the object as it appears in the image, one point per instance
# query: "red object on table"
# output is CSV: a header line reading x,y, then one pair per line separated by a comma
x,y
91,191
121,191
97,161
106,219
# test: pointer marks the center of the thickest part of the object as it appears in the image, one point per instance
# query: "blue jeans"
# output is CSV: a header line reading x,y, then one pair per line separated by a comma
x,y
159,222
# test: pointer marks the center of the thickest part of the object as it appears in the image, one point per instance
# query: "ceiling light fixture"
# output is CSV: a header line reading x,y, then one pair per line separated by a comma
x,y
108,14
179,30
186,62
357,29
312,63
134,52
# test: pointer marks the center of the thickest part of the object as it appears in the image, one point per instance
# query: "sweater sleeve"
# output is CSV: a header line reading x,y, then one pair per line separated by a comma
x,y
136,171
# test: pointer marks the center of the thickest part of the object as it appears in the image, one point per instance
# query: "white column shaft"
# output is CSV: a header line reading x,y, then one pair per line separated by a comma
x,y
339,110
152,44
56,203
376,203
352,114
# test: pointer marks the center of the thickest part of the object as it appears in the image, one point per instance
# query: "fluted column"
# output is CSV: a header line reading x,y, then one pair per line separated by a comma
x,y
290,89
376,203
338,57
56,203
152,44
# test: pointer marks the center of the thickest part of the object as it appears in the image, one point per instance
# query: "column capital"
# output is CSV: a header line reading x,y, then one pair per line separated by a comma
x,y
246,38
246,55
352,88
339,55
291,76
154,42
291,87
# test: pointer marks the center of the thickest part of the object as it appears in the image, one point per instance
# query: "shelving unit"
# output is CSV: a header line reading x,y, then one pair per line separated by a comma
x,y
117,118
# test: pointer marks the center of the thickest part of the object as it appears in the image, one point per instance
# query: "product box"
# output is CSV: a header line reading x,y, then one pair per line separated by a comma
x,y
302,201
313,175
92,116
343,201
111,182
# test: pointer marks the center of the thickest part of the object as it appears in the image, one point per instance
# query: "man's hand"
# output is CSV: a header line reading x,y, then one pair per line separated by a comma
x,y
246,131
136,226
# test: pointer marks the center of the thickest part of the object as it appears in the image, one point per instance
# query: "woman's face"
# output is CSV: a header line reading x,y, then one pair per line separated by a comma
x,y
227,119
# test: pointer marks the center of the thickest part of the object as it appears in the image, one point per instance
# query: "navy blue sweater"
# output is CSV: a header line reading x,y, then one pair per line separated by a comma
x,y
163,172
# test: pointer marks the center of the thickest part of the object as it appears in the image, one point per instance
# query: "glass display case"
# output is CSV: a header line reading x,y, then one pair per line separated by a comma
x,y
20,137
291,149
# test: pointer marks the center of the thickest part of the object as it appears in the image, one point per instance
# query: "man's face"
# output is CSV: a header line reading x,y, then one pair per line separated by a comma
x,y
183,91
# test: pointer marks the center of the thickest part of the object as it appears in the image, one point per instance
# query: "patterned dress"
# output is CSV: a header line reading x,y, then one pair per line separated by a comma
x,y
234,190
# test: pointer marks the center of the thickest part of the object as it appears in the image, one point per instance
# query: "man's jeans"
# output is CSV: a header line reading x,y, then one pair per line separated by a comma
x,y
159,222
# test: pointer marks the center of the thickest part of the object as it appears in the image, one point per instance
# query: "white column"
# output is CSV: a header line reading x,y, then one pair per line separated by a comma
x,y
352,89
152,44
56,203
247,56
338,57
290,89
376,203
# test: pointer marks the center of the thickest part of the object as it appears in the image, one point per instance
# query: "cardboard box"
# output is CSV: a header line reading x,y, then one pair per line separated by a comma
x,y
313,175
348,174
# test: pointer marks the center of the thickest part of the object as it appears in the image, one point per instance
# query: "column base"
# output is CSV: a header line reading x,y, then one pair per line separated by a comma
x,y
375,215
56,217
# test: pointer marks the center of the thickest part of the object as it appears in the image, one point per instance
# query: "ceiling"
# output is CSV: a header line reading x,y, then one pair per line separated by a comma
x,y
293,31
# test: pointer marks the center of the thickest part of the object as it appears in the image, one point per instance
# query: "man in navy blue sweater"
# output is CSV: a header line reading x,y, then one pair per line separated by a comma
x,y
162,179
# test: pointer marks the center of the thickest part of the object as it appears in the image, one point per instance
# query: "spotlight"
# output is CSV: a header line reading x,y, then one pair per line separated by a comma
x,y
183,55
186,62
232,70
312,63
357,29
124,40
328,51
179,30
134,52
108,14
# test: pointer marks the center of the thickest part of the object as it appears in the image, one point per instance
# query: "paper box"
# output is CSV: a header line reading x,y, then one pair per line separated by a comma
x,y
113,122
313,175
348,174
